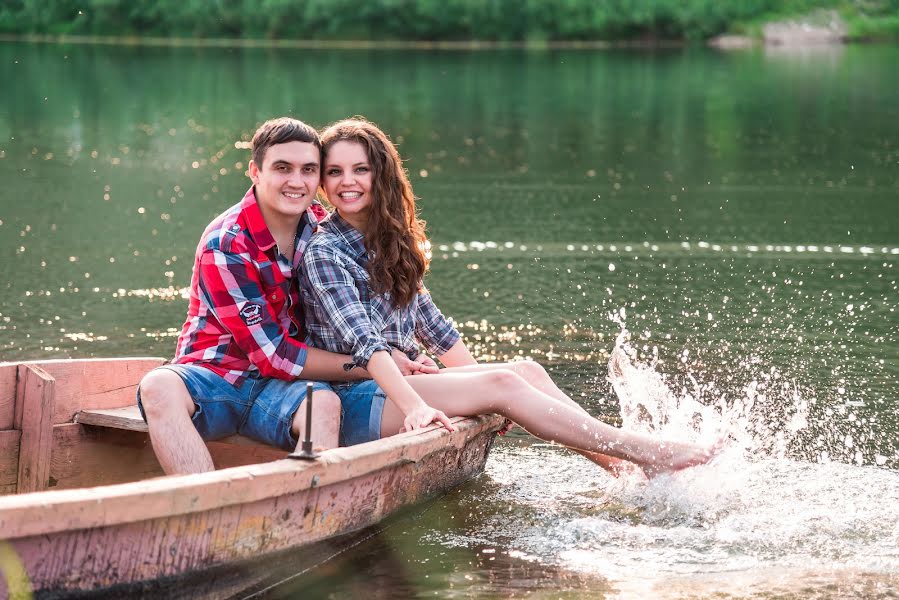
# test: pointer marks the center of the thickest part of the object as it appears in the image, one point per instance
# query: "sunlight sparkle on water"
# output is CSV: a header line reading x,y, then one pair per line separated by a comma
x,y
726,526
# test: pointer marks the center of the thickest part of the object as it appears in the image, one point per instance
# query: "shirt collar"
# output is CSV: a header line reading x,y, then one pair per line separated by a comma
x,y
257,228
352,236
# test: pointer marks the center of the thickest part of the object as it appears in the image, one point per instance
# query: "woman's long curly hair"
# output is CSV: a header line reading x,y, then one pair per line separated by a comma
x,y
394,236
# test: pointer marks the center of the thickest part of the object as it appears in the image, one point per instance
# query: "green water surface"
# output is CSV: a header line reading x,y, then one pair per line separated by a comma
x,y
736,212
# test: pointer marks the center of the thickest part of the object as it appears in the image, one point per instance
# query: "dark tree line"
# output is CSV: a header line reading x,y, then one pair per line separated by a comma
x,y
499,20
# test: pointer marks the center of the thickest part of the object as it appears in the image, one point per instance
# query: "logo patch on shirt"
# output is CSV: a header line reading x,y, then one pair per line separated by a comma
x,y
251,314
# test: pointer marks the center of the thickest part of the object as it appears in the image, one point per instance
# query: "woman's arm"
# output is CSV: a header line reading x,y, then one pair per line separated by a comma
x,y
418,414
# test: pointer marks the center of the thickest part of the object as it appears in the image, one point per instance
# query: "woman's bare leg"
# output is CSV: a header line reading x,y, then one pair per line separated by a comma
x,y
536,375
507,393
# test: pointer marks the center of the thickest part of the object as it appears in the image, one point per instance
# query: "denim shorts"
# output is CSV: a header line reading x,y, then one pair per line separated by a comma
x,y
361,406
261,408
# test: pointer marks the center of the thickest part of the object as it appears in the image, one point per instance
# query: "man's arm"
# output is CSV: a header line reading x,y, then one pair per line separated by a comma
x,y
233,290
328,366
458,356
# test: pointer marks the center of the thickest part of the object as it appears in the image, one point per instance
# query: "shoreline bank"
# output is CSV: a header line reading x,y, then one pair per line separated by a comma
x,y
722,42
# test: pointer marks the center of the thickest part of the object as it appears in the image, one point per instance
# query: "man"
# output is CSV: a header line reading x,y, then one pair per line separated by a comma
x,y
240,355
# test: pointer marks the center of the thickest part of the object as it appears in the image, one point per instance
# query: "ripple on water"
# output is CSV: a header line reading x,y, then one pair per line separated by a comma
x,y
738,526
753,522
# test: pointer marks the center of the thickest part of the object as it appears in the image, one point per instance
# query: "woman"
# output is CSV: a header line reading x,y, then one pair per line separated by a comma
x,y
363,296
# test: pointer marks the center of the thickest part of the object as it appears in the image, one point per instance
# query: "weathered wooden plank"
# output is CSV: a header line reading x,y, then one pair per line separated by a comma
x,y
87,457
128,418
312,507
7,395
56,511
84,383
96,383
9,460
34,406
237,451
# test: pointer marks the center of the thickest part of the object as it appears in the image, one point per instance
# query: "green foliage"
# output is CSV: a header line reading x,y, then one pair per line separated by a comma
x,y
499,20
884,28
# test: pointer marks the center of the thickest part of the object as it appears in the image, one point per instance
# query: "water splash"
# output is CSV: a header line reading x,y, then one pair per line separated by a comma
x,y
765,527
765,418
758,521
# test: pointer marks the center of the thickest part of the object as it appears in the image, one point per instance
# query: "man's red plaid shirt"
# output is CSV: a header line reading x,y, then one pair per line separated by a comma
x,y
244,315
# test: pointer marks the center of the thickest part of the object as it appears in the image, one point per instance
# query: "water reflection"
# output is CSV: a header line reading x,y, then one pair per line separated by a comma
x,y
755,522
735,212
408,559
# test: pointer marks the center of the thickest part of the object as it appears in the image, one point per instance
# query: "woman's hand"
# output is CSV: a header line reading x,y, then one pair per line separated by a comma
x,y
413,367
423,416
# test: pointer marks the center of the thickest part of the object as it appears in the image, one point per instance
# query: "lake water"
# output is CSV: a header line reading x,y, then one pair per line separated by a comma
x,y
733,214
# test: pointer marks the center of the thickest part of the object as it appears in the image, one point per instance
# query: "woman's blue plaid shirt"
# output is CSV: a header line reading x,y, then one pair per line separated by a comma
x,y
344,316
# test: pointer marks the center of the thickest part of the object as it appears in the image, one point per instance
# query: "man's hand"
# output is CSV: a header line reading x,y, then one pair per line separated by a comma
x,y
423,416
413,367
427,361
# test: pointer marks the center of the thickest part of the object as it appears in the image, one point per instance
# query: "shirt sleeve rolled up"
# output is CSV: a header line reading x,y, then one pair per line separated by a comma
x,y
432,328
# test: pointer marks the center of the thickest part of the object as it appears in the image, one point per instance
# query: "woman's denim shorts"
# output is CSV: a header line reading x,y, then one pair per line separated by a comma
x,y
362,405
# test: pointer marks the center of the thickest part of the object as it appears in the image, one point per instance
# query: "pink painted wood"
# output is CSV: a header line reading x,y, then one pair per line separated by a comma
x,y
34,408
80,384
9,460
86,538
7,394
90,538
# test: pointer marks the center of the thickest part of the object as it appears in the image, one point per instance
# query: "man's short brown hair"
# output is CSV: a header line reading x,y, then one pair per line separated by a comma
x,y
281,131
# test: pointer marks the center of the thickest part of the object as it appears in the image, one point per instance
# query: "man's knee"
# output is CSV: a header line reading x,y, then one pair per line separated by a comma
x,y
325,411
162,392
328,402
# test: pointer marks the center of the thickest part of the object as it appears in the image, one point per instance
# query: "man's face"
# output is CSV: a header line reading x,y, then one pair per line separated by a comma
x,y
287,180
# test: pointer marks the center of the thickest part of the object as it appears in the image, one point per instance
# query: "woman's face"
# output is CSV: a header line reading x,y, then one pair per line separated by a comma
x,y
347,181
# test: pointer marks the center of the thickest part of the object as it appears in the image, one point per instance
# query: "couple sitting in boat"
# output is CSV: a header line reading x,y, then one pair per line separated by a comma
x,y
277,264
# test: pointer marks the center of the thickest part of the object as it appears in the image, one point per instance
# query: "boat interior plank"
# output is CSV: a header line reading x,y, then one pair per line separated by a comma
x,y
226,453
9,460
130,419
7,395
95,383
87,457
126,417
107,383
34,408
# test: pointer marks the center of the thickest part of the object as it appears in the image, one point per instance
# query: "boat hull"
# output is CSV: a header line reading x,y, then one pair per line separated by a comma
x,y
81,540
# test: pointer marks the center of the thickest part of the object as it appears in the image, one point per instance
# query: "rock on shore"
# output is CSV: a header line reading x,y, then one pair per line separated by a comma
x,y
823,27
818,28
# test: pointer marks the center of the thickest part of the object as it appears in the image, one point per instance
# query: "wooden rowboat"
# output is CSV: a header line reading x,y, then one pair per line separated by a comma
x,y
86,507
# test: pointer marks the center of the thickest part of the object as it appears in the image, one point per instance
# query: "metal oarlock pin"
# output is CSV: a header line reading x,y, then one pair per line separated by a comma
x,y
306,452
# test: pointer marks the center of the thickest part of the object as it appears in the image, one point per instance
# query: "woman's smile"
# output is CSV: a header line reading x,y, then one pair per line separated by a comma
x,y
347,182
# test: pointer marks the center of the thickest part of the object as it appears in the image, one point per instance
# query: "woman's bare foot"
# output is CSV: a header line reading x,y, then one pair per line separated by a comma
x,y
676,456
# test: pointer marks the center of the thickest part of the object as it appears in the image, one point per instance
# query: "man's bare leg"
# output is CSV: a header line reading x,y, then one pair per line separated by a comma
x,y
169,408
325,420
536,375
